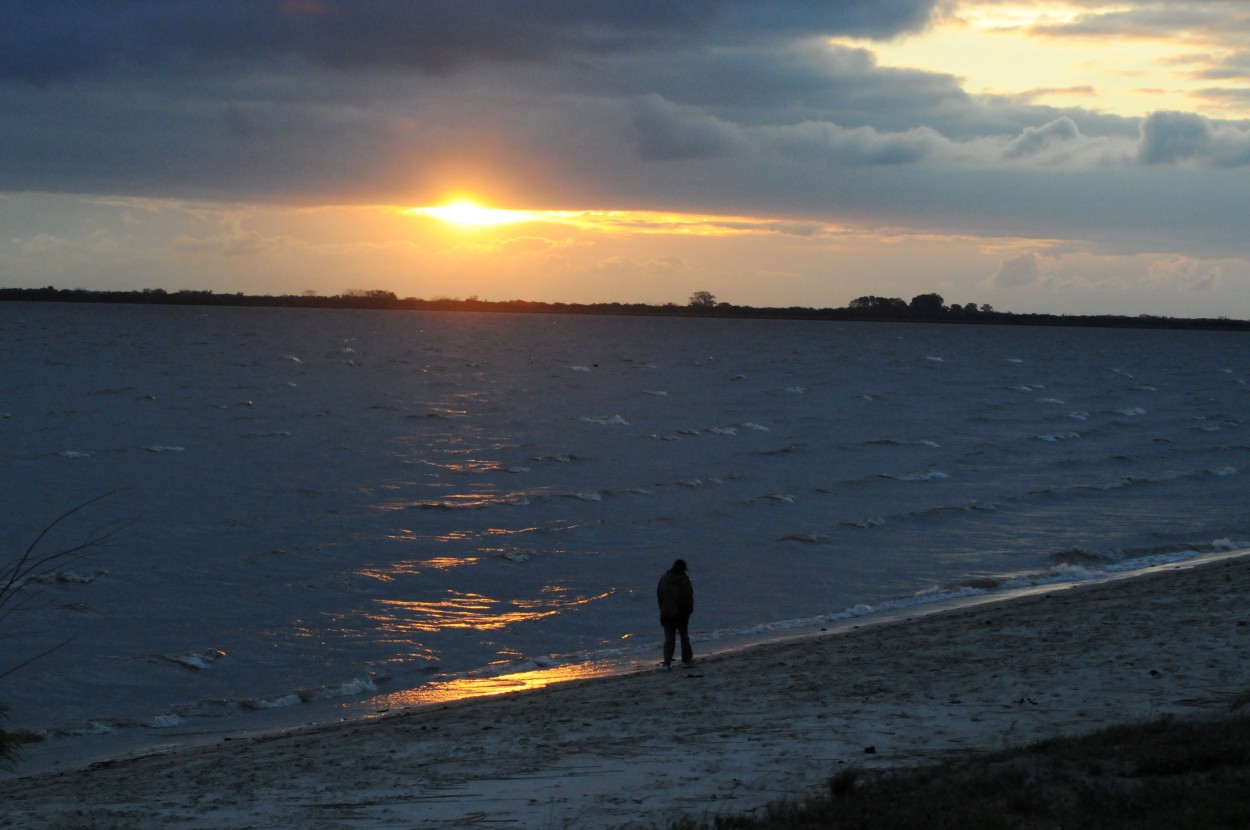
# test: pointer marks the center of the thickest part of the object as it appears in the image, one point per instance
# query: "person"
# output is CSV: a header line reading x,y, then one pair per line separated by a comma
x,y
676,598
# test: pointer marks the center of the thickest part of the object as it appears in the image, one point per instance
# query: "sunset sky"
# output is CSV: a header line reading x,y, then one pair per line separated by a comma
x,y
1068,157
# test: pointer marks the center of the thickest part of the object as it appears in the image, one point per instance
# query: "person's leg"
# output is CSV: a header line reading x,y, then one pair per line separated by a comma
x,y
670,636
687,653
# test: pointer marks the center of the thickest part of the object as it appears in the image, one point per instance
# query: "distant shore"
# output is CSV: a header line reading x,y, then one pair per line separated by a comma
x,y
863,309
731,734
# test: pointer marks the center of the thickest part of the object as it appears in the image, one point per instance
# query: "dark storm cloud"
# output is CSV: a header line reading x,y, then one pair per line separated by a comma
x,y
46,41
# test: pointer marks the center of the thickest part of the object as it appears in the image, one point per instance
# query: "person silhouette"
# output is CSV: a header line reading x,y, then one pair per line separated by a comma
x,y
675,595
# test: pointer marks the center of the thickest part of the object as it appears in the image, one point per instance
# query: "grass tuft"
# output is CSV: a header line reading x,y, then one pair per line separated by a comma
x,y
1152,776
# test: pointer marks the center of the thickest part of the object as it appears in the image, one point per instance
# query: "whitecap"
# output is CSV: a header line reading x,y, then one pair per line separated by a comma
x,y
1132,412
809,538
613,420
516,555
932,475
67,578
723,431
194,660
76,453
756,427
278,702
357,686
580,368
160,448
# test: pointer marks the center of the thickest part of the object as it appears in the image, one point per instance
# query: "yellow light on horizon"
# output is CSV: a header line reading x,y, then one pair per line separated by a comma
x,y
470,213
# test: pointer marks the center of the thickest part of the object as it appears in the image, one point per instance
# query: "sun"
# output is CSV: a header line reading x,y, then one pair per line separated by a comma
x,y
469,213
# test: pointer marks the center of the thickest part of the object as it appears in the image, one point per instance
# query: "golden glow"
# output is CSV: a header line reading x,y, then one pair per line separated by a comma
x,y
470,213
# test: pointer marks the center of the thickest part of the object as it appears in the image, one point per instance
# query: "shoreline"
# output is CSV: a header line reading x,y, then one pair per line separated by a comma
x,y
738,730
62,754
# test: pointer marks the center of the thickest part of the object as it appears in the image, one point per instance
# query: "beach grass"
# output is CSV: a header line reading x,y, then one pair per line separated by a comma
x,y
1167,773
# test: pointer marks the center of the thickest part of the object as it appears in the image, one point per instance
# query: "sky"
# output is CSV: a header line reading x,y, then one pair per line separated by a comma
x,y
1080,157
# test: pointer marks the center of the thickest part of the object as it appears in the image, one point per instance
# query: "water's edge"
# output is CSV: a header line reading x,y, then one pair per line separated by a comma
x,y
58,755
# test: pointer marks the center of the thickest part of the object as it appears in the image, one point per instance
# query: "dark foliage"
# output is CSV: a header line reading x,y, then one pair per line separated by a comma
x,y
927,308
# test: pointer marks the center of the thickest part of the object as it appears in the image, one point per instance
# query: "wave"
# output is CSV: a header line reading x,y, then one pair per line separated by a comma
x,y
723,429
928,475
197,660
605,420
890,442
1096,567
356,687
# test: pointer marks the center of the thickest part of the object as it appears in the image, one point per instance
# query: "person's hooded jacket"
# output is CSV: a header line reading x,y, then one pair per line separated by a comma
x,y
675,595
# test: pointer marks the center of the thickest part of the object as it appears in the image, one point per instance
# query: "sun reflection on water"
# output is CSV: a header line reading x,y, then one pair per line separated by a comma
x,y
438,563
469,687
462,610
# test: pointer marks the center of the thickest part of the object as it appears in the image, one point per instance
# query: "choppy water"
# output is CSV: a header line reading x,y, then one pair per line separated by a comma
x,y
349,506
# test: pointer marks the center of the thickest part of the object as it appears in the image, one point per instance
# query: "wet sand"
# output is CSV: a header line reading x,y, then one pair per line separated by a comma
x,y
728,735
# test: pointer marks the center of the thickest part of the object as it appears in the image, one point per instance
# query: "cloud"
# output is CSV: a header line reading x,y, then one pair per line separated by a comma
x,y
1179,137
53,41
232,240
1017,272
1229,67
1164,20
1185,273
1034,140
666,131
857,147
658,266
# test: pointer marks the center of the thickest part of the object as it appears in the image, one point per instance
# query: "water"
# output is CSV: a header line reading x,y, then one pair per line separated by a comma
x,y
326,513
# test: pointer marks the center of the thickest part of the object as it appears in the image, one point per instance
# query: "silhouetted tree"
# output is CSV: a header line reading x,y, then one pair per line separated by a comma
x,y
885,306
927,305
702,299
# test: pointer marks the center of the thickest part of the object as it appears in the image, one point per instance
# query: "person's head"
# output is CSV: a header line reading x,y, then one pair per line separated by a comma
x,y
679,566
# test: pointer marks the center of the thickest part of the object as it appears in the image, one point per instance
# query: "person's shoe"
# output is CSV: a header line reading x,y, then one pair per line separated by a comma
x,y
685,664
667,666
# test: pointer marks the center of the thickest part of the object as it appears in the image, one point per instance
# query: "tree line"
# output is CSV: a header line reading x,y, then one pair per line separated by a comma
x,y
923,308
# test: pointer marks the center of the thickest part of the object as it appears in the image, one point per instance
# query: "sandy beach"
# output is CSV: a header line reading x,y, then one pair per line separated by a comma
x,y
728,735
